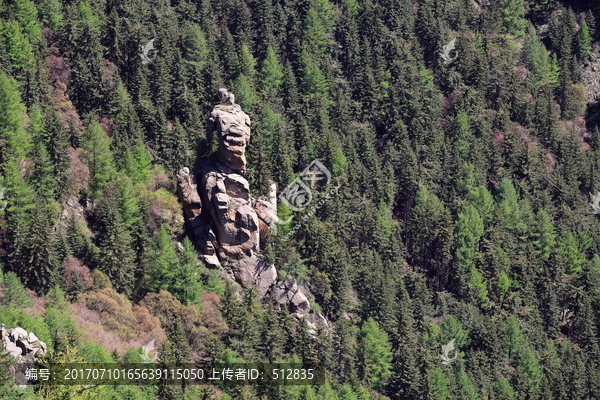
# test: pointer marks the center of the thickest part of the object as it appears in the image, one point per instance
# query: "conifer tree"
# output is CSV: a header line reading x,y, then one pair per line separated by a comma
x,y
187,286
271,75
375,352
117,257
16,142
57,144
14,292
99,159
583,41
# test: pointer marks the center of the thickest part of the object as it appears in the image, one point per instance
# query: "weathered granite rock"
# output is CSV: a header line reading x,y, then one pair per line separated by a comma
x,y
288,291
21,345
227,200
188,193
228,224
12,349
233,129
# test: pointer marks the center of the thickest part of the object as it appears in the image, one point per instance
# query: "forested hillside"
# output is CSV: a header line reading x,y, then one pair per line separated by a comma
x,y
462,212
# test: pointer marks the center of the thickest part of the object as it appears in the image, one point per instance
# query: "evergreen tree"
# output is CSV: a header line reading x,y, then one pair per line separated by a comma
x,y
375,353
117,256
16,142
99,159
14,292
271,75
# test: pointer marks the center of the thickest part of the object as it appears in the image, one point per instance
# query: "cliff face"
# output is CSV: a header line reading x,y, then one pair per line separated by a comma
x,y
228,223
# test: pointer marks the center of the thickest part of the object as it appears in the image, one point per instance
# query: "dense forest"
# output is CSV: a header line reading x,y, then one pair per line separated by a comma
x,y
462,212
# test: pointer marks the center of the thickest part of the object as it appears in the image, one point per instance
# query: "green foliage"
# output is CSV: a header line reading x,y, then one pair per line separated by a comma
x,y
14,293
375,352
511,12
570,254
245,93
99,159
27,16
466,390
462,210
117,257
584,40
439,384
340,163
503,390
271,74
137,164
16,142
12,318
515,340
18,47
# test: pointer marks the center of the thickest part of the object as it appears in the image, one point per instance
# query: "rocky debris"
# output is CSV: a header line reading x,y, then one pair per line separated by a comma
x,y
233,127
227,223
21,345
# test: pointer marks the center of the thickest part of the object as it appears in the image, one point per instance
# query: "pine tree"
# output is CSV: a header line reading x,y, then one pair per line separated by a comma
x,y
439,384
163,263
27,15
187,286
18,48
14,292
99,159
271,75
117,256
128,202
57,145
583,41
245,93
137,163
469,232
174,353
503,390
466,390
43,175
84,53
16,142
375,353
39,267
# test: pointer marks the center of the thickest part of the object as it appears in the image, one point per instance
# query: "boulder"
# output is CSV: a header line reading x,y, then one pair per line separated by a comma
x,y
17,334
21,345
12,349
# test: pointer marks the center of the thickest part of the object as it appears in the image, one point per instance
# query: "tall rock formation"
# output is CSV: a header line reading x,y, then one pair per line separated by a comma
x,y
228,223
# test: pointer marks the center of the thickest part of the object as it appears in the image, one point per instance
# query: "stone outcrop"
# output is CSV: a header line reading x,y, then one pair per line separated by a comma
x,y
289,292
232,125
21,345
228,223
